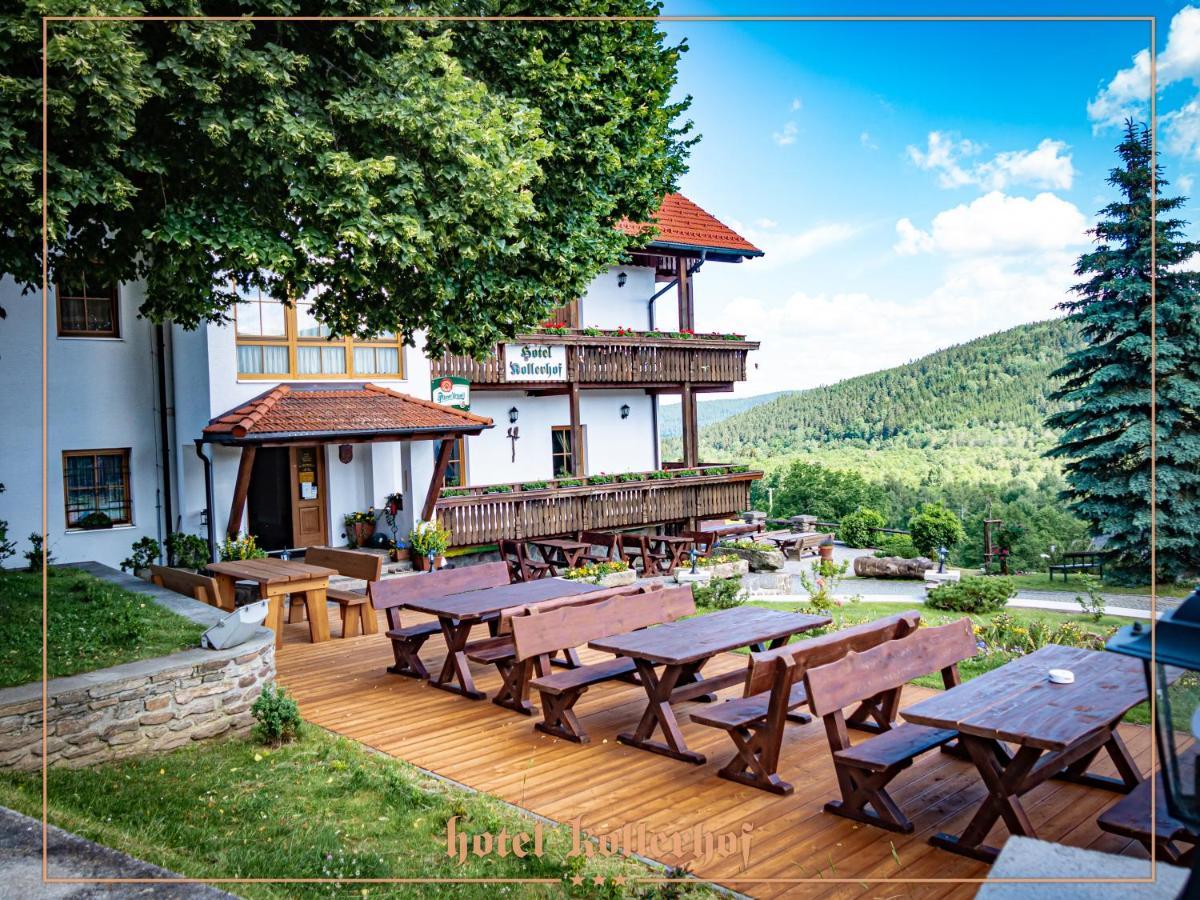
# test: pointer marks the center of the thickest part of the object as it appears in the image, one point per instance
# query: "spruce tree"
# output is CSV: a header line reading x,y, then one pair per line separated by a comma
x,y
1106,386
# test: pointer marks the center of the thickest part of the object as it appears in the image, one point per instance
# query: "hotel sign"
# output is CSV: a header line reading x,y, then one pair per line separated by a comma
x,y
535,362
452,390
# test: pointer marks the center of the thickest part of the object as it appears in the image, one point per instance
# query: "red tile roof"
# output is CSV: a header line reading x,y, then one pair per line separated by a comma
x,y
682,223
315,410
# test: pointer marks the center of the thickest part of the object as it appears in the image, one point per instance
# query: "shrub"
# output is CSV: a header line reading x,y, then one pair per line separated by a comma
x,y
188,551
720,593
980,594
428,537
143,554
7,548
1092,604
935,526
277,716
244,546
39,555
900,545
95,519
823,582
859,528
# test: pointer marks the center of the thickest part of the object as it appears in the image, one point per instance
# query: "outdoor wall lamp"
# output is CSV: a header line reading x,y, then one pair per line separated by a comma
x,y
625,411
512,416
1177,711
621,279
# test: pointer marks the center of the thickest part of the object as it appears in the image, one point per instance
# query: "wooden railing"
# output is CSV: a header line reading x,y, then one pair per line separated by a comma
x,y
477,517
611,359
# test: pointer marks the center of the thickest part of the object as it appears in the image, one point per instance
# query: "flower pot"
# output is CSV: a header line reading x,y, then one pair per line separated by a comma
x,y
826,551
399,554
421,563
363,532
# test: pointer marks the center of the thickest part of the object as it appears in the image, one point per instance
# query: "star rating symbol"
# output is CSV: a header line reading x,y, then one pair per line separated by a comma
x,y
619,879
599,879
577,879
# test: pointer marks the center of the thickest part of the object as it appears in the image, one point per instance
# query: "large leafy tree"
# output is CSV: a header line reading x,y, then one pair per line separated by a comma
x,y
460,178
1106,385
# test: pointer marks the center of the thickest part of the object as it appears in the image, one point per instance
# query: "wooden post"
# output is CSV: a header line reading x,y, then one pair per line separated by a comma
x,y
241,487
691,436
576,432
439,477
687,319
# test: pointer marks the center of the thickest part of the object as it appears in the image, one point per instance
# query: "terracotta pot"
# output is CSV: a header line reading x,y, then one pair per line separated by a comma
x,y
399,553
826,551
421,563
363,532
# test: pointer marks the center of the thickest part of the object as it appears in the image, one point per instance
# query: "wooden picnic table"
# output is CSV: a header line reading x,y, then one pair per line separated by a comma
x,y
561,552
458,613
794,543
677,547
683,648
276,579
1058,730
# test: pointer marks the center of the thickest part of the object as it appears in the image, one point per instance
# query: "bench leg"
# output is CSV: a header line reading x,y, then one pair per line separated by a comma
x,y
570,659
756,761
514,688
862,788
559,719
408,663
351,620
366,614
881,711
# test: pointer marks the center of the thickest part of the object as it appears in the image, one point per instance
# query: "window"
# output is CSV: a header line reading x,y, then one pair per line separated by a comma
x,y
562,451
97,481
86,309
278,341
456,471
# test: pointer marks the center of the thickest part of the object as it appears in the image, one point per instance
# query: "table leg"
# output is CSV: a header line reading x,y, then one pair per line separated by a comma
x,y
456,668
274,619
227,591
318,615
659,714
1004,782
1129,776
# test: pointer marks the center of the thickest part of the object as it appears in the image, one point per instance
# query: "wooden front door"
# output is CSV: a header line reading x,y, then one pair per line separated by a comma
x,y
309,507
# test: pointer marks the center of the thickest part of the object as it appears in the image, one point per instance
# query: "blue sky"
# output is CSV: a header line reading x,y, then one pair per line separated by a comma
x,y
914,185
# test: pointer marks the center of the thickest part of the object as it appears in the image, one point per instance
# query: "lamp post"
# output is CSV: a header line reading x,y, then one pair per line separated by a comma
x,y
693,555
1173,644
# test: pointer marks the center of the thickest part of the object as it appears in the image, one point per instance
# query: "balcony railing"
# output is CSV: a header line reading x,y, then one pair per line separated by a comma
x,y
633,358
486,514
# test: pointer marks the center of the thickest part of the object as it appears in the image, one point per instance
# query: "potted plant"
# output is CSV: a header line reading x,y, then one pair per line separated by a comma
x,y
394,502
826,548
187,551
359,527
94,520
142,555
398,551
428,541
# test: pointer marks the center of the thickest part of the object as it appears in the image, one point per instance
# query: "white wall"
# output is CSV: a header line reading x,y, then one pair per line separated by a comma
x,y
102,395
615,444
605,305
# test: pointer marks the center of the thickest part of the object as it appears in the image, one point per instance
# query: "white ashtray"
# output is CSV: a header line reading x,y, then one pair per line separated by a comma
x,y
1062,676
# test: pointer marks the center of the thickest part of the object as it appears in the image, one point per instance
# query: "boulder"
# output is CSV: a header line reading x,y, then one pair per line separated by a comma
x,y
891,567
761,557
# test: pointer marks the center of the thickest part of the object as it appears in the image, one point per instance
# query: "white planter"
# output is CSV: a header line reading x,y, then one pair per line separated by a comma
x,y
685,576
721,570
613,579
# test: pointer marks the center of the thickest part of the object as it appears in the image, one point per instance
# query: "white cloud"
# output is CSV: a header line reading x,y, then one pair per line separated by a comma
x,y
787,136
1181,129
765,224
1047,166
781,248
867,141
796,104
997,224
1185,183
1127,95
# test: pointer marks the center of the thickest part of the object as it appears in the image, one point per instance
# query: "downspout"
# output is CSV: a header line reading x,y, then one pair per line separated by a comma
x,y
672,283
210,501
164,430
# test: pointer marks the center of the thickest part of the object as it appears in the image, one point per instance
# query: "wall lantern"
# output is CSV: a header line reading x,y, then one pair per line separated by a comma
x,y
512,416
1177,710
625,411
621,279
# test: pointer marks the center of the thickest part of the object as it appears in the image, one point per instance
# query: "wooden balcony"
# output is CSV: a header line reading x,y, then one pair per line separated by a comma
x,y
484,515
635,359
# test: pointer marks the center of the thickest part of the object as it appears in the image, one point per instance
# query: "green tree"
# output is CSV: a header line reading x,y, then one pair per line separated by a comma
x,y
1106,385
934,526
456,178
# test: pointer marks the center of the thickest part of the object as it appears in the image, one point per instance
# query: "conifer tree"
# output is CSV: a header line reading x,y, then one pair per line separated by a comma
x,y
1106,385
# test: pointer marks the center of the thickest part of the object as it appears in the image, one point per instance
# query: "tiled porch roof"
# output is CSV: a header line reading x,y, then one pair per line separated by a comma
x,y
684,225
338,412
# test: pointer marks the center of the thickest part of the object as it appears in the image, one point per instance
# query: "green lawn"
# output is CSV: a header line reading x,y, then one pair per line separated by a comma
x,y
1040,581
92,625
323,807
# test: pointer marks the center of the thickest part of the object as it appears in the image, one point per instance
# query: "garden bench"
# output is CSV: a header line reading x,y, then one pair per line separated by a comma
x,y
500,650
392,594
538,635
609,540
522,566
190,584
1089,560
775,688
357,617
865,769
796,544
1130,817
639,546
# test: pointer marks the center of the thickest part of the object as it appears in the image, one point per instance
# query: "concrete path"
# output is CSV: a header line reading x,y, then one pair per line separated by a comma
x,y
71,856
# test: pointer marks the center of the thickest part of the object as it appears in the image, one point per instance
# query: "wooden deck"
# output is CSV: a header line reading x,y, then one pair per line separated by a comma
x,y
342,686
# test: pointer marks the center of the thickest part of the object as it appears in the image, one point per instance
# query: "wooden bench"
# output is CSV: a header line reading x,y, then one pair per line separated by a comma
x,y
392,594
775,688
608,540
865,769
538,635
357,617
796,544
1130,817
521,565
190,584
500,651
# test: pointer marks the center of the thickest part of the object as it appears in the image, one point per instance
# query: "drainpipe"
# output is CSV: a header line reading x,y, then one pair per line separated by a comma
x,y
672,283
210,501
164,428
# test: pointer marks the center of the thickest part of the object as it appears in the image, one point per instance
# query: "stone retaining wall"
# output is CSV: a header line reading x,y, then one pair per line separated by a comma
x,y
140,707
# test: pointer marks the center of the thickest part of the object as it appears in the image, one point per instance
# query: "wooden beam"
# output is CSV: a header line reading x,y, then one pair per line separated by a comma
x,y
438,479
691,436
687,320
576,432
241,487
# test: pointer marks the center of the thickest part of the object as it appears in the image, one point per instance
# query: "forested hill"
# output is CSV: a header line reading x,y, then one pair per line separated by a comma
x,y
995,381
710,411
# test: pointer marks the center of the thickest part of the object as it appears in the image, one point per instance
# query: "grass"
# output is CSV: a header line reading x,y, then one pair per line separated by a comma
x,y
92,625
1040,581
323,807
